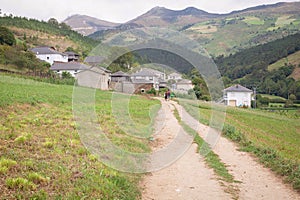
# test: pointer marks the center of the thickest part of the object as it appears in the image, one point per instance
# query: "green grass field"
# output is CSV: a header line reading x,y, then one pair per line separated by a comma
x,y
41,154
253,20
272,136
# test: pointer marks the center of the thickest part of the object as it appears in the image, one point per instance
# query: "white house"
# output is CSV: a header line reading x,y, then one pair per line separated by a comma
x,y
237,95
174,76
72,67
49,54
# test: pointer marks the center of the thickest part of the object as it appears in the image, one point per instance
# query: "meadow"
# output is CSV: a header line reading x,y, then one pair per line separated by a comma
x,y
41,154
273,137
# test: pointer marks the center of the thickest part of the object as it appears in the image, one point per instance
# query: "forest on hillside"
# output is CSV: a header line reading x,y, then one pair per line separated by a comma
x,y
250,67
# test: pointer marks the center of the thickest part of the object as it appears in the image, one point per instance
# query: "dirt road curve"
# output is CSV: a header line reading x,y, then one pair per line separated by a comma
x,y
189,177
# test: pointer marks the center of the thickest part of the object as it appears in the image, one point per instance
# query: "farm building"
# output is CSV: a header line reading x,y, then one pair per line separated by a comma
x,y
94,77
238,96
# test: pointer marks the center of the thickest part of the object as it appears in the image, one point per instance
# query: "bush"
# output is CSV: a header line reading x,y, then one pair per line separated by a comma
x,y
151,91
6,36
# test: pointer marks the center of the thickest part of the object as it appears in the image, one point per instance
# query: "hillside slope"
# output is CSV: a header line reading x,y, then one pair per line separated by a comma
x,y
51,33
293,59
251,67
87,25
222,33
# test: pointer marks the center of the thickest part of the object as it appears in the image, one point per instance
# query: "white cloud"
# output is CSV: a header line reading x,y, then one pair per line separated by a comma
x,y
116,10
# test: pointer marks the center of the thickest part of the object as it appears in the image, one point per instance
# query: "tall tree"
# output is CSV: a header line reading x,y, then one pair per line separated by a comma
x,y
6,36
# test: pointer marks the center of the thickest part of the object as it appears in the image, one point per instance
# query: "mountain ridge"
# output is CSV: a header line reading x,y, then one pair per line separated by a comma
x,y
166,14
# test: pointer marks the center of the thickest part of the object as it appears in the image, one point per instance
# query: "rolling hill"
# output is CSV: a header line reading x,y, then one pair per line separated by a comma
x,y
222,33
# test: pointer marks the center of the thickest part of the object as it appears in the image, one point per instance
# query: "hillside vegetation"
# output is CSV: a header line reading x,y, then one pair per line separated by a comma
x,y
41,155
221,34
250,67
33,32
293,59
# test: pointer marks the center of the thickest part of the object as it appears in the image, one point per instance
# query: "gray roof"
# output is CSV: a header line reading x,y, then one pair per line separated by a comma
x,y
45,50
184,81
69,66
94,59
119,74
237,88
142,81
104,69
71,53
98,70
144,72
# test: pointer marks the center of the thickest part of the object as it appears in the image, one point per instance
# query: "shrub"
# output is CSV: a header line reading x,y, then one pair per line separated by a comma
x,y
6,164
151,91
37,178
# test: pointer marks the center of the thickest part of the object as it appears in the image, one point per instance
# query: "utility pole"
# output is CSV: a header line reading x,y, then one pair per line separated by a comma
x,y
254,106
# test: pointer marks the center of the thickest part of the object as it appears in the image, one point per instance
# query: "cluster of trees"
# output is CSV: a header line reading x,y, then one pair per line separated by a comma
x,y
249,67
13,54
51,27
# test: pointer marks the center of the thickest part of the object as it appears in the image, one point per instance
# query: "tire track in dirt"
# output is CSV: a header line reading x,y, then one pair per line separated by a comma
x,y
188,178
256,181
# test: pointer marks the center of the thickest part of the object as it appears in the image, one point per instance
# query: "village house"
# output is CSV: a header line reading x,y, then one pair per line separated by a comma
x,y
120,76
94,77
148,76
184,84
174,76
238,96
49,54
72,67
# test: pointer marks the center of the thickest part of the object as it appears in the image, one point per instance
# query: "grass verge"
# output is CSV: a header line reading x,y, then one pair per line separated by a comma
x,y
211,159
272,137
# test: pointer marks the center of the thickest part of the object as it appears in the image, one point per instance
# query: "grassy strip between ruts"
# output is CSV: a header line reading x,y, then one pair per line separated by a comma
x,y
211,159
41,154
271,136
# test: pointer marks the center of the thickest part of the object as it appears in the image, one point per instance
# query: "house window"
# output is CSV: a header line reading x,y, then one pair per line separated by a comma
x,y
75,70
47,57
57,71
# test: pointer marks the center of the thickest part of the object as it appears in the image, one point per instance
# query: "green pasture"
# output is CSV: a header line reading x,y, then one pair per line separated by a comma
x,y
41,154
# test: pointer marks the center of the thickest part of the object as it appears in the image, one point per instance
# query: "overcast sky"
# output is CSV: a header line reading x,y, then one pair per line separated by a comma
x,y
117,10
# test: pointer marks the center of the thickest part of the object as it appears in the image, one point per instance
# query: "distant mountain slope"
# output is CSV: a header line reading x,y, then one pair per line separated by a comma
x,y
87,25
222,33
160,16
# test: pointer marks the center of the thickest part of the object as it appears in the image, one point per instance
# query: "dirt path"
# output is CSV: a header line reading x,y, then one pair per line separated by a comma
x,y
257,182
187,178
190,178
